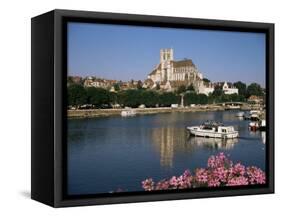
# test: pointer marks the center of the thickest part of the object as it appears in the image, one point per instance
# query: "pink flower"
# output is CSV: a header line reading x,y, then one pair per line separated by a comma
x,y
201,175
220,171
237,181
255,175
173,181
213,182
185,180
239,169
162,185
148,185
219,160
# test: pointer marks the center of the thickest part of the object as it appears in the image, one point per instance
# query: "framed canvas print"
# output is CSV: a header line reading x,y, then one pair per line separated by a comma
x,y
134,108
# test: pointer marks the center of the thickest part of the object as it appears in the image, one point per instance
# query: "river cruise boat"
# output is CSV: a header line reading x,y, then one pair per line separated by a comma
x,y
255,122
213,129
128,112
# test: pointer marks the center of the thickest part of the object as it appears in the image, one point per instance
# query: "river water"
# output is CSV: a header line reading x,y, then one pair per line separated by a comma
x,y
107,154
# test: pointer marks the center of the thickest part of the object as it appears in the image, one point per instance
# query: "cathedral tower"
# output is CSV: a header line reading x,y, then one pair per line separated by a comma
x,y
166,56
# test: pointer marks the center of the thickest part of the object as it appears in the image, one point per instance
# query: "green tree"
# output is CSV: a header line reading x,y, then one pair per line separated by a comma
x,y
76,95
166,99
202,99
206,80
116,87
254,89
242,88
98,96
157,86
149,98
139,85
181,89
129,97
190,98
217,91
190,88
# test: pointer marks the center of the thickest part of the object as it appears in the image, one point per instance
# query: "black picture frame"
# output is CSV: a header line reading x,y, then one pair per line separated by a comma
x,y
48,147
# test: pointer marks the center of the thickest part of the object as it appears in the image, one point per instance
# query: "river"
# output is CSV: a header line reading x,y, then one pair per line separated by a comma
x,y
107,154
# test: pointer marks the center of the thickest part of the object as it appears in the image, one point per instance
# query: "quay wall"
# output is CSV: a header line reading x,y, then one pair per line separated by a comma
x,y
88,113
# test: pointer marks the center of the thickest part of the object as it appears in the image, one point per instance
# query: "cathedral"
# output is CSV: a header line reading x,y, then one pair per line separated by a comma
x,y
170,74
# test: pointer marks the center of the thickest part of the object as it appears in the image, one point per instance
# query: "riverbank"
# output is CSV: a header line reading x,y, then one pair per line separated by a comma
x,y
89,113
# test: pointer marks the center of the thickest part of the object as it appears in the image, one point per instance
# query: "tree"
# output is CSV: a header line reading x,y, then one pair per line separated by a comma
x,y
129,97
181,89
116,87
98,96
206,80
149,98
76,95
190,98
217,91
157,86
190,88
166,99
254,89
139,85
242,88
202,99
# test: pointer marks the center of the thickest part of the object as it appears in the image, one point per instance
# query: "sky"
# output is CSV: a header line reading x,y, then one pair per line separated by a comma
x,y
124,52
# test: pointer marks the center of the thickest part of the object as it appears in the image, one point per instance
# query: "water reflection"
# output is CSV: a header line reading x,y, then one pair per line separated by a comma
x,y
108,153
169,141
263,137
213,143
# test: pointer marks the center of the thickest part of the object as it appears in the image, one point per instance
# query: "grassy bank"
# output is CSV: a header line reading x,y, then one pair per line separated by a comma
x,y
88,113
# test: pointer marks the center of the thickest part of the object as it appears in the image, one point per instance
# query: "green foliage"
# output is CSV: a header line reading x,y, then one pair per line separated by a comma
x,y
98,96
193,98
157,86
181,89
167,99
254,89
242,88
76,95
190,88
217,91
206,80
139,85
129,98
149,98
116,87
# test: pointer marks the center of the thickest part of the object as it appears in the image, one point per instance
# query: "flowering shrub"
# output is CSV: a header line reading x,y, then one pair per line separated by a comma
x,y
220,171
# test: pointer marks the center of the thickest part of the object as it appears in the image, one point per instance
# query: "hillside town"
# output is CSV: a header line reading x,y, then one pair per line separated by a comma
x,y
171,83
167,76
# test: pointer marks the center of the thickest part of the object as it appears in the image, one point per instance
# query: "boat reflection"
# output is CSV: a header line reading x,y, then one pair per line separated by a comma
x,y
263,137
213,143
171,141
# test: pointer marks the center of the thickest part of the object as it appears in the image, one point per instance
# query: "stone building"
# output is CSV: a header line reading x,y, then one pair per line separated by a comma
x,y
170,74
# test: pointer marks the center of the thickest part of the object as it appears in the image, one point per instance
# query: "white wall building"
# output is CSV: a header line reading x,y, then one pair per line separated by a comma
x,y
229,90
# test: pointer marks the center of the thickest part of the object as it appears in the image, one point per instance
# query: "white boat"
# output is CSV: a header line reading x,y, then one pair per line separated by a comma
x,y
213,130
256,112
128,112
240,114
233,107
254,123
263,125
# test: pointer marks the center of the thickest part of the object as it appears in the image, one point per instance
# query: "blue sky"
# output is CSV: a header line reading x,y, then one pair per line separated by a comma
x,y
129,52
